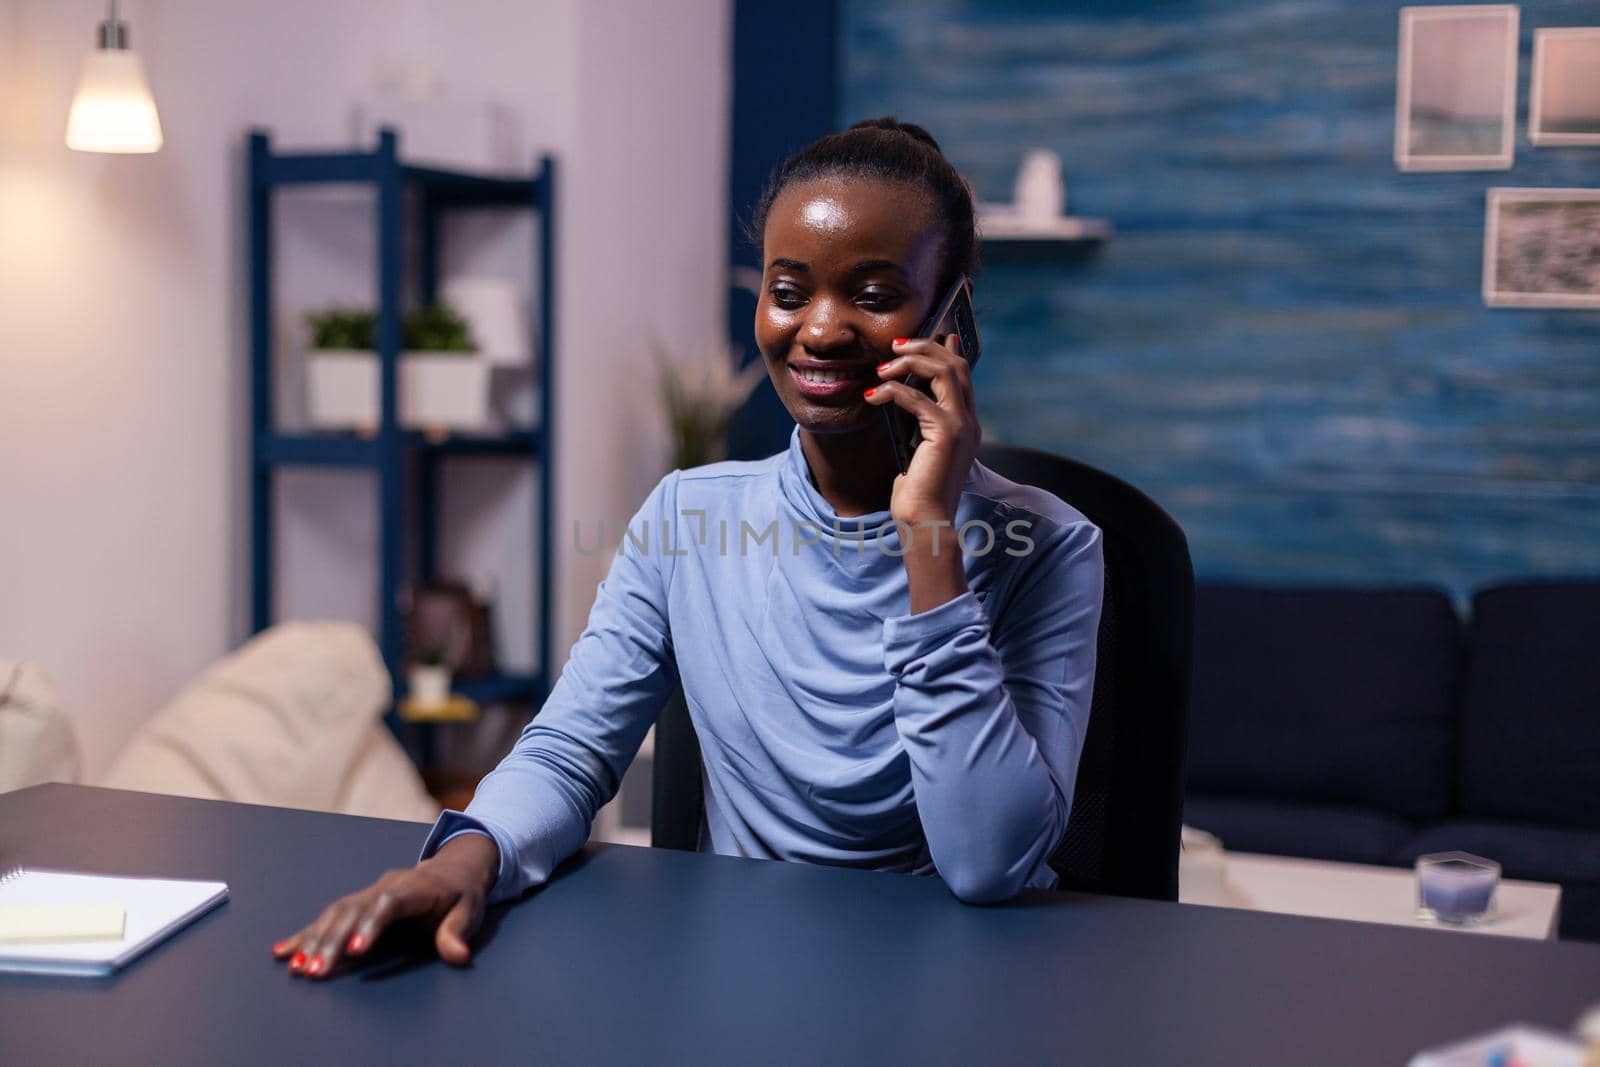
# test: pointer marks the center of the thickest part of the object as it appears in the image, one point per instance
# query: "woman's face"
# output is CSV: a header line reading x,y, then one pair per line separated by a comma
x,y
849,267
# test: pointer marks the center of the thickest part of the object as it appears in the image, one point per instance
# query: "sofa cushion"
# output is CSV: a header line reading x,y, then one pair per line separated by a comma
x,y
1535,853
1335,696
36,740
280,721
1315,831
1530,731
383,783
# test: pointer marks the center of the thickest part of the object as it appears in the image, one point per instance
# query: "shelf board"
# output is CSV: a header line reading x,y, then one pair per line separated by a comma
x,y
324,449
509,443
1068,238
1066,230
447,187
317,450
502,688
481,190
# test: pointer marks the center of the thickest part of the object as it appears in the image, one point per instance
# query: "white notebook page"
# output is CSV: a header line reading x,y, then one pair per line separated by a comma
x,y
156,907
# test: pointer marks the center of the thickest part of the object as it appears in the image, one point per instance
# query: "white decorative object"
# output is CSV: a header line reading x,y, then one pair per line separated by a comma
x,y
436,391
1456,96
1541,248
498,316
1040,195
429,685
1565,109
1037,211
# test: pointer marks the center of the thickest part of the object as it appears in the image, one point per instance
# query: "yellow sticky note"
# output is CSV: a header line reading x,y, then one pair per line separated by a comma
x,y
61,922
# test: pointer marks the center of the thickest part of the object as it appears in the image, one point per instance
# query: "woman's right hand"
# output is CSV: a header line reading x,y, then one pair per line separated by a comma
x,y
447,890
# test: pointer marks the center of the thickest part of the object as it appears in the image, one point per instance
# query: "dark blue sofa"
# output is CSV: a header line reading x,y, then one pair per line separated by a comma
x,y
1373,726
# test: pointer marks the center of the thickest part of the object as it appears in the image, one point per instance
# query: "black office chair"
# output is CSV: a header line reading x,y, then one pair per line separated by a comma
x,y
1127,805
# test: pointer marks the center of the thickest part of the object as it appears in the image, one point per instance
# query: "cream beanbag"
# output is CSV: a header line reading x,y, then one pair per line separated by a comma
x,y
36,740
289,720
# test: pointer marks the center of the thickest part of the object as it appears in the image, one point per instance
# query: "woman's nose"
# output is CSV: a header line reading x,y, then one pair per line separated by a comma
x,y
825,327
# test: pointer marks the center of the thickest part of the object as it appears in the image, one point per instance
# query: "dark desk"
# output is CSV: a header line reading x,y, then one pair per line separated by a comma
x,y
639,956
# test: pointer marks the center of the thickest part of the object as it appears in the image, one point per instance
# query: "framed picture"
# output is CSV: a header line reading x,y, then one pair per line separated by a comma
x,y
1541,248
1565,109
1456,96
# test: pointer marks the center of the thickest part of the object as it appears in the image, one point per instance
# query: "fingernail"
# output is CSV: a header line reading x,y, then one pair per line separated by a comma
x,y
278,946
297,961
884,364
357,943
869,392
900,340
318,964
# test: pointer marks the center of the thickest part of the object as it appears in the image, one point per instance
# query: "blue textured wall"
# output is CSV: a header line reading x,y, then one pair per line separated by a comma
x,y
1285,344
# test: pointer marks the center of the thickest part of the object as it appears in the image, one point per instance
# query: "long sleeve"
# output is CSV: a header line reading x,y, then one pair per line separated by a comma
x,y
994,723
539,802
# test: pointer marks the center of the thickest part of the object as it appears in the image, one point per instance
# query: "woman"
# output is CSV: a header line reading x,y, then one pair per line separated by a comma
x,y
885,670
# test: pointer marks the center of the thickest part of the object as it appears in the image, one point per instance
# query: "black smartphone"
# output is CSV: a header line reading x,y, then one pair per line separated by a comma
x,y
952,314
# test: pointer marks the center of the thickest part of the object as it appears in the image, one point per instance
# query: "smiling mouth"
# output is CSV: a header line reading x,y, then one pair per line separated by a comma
x,y
829,376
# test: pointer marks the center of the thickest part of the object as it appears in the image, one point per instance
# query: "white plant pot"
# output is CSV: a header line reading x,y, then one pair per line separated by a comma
x,y
429,686
342,389
444,391
437,390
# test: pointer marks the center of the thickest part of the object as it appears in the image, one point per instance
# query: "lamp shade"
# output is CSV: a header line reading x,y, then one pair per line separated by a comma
x,y
113,111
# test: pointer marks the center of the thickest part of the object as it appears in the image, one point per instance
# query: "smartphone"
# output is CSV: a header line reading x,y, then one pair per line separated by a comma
x,y
952,314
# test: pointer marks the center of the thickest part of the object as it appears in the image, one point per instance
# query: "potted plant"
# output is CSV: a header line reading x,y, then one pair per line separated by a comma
x,y
342,369
700,391
428,680
442,385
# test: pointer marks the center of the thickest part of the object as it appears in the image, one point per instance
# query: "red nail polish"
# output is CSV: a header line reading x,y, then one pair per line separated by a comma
x,y
869,392
884,364
297,961
318,965
900,340
357,942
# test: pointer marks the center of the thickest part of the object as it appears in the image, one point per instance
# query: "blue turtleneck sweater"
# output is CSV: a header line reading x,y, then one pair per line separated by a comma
x,y
834,727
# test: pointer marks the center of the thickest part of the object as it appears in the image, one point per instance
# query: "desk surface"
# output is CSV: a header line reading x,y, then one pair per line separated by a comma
x,y
636,955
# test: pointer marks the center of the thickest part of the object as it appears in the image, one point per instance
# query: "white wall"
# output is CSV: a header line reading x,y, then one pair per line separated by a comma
x,y
123,512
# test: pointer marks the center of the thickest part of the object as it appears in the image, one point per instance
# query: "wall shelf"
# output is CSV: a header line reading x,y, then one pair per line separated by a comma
x,y
1007,238
407,520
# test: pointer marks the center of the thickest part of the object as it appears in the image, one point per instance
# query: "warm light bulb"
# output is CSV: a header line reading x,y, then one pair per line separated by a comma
x,y
113,111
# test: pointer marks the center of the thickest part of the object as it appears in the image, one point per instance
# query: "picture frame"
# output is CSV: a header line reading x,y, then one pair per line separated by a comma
x,y
1541,248
1564,108
1456,88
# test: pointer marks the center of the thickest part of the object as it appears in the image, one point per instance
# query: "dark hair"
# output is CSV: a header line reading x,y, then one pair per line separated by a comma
x,y
888,150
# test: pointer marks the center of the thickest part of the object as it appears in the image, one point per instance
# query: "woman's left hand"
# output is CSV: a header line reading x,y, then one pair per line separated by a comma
x,y
931,488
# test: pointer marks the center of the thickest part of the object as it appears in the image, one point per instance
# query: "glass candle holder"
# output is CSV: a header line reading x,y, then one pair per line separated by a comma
x,y
1456,887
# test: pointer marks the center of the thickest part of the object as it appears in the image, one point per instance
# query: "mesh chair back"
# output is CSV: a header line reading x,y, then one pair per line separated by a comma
x,y
1127,803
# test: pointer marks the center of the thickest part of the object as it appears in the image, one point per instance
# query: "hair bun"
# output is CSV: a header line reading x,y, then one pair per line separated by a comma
x,y
910,129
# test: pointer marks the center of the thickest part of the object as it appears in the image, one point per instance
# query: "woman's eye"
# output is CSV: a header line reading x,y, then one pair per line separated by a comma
x,y
787,296
879,300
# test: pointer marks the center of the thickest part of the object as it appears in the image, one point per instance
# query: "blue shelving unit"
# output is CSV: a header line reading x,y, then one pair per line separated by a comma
x,y
394,449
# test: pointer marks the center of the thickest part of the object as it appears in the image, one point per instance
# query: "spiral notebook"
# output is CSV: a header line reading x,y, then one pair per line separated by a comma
x,y
154,908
